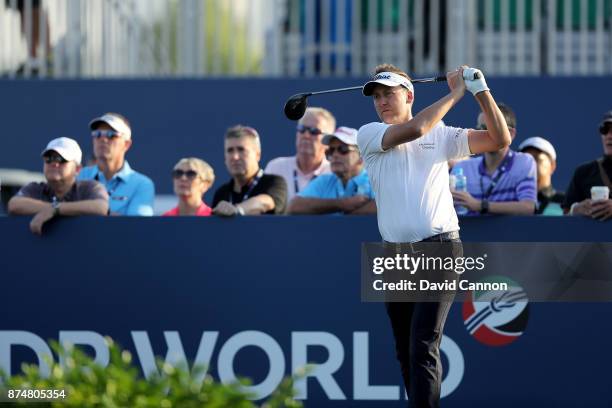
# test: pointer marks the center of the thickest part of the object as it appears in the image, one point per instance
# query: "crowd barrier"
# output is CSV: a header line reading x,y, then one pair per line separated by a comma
x,y
179,118
261,296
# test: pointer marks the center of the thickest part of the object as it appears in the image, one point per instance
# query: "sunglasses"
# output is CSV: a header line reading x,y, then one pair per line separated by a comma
x,y
54,158
190,174
110,134
604,129
342,149
312,130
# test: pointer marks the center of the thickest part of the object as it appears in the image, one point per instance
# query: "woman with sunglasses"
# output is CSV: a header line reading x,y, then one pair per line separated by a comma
x,y
192,177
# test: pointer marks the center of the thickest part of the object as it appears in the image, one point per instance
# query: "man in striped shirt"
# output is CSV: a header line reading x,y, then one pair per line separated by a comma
x,y
501,182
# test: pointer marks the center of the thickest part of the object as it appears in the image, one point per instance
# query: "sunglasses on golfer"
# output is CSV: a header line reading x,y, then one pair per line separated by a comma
x,y
54,158
342,149
190,174
110,134
312,130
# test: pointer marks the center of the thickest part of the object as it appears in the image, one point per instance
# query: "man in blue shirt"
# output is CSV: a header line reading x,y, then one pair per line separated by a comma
x,y
130,192
347,189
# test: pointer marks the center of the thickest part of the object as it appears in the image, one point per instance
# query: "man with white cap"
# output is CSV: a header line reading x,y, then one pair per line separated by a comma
x,y
406,159
130,192
346,189
61,194
545,156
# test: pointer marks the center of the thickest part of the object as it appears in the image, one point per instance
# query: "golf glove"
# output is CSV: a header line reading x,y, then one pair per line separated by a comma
x,y
473,84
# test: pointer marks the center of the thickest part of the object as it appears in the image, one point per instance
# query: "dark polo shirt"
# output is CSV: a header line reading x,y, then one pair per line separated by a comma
x,y
81,190
585,177
272,185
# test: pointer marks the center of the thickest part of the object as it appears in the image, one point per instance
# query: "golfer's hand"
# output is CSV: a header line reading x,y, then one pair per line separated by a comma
x,y
40,218
465,199
350,204
473,84
225,209
583,208
455,80
601,209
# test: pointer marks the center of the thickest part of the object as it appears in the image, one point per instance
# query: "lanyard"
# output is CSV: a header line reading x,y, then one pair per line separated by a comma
x,y
252,186
494,181
295,180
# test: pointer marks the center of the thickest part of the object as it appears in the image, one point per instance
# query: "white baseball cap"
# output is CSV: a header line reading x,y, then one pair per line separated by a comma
x,y
541,144
344,134
387,79
67,148
114,121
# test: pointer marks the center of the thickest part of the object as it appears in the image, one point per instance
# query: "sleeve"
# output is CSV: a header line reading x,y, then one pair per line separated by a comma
x,y
526,189
573,193
92,190
455,142
218,196
276,188
272,167
31,190
369,138
142,202
314,189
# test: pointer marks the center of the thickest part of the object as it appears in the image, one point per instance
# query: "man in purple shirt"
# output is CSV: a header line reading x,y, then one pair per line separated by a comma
x,y
501,182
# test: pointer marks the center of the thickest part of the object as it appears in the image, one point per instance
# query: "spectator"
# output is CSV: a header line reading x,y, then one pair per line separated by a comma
x,y
61,194
131,193
345,190
192,178
250,191
309,161
545,156
501,182
596,173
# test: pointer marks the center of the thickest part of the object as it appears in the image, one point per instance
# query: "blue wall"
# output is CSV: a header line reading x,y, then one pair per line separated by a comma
x,y
282,275
176,118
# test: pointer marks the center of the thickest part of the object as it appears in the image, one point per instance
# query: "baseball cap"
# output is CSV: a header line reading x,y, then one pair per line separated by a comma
x,y
387,79
114,121
344,134
541,144
605,121
67,148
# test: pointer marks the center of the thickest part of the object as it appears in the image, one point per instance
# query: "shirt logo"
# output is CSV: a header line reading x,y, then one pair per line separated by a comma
x,y
427,146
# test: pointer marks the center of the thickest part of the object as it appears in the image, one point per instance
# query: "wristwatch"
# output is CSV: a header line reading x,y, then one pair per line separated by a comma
x,y
56,208
484,206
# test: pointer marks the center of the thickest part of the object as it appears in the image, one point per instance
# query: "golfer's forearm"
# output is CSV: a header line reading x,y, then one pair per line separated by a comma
x,y
512,208
302,205
85,207
25,206
257,205
496,123
422,123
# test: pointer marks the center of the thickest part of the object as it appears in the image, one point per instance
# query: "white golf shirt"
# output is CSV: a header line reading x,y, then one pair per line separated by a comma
x,y
411,181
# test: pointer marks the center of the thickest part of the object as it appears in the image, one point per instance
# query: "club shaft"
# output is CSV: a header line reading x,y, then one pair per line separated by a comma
x,y
354,88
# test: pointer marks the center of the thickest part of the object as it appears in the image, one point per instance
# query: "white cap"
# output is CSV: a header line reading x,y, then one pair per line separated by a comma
x,y
67,148
344,134
387,79
115,122
541,144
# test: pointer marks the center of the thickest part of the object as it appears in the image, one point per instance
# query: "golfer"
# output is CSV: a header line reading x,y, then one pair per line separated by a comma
x,y
406,160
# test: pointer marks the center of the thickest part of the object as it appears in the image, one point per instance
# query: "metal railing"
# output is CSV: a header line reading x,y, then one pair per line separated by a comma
x,y
159,38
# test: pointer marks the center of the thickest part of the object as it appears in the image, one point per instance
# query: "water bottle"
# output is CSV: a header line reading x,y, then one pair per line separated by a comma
x,y
460,185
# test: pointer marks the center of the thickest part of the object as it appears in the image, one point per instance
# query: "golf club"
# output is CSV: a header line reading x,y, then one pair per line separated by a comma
x,y
297,104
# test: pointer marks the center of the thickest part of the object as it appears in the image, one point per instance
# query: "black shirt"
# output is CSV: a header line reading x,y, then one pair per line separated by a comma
x,y
272,185
585,177
548,195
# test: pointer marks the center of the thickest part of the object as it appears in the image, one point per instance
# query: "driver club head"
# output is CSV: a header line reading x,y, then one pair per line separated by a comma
x,y
296,106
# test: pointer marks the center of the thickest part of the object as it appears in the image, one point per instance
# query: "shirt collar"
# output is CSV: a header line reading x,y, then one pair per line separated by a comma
x,y
317,172
122,174
69,196
508,159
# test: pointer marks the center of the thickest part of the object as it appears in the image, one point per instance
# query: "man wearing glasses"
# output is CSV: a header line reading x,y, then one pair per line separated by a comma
x,y
131,193
499,182
61,194
309,161
347,189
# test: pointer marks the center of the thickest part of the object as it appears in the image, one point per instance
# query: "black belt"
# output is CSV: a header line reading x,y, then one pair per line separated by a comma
x,y
443,237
